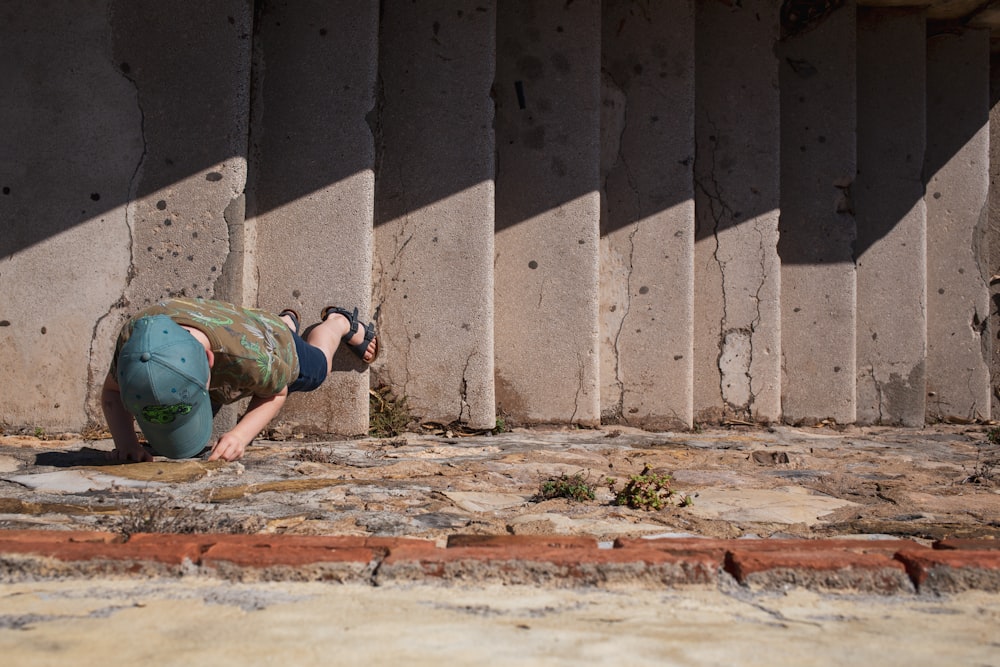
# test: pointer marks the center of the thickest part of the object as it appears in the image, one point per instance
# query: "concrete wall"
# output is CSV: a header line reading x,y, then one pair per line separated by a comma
x,y
817,227
891,217
547,210
653,214
647,221
993,230
957,173
434,237
312,192
129,145
737,341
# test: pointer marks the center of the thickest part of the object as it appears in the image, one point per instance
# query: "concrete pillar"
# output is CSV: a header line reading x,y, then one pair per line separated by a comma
x,y
957,173
993,233
434,209
68,156
647,223
737,275
817,228
891,217
547,212
312,203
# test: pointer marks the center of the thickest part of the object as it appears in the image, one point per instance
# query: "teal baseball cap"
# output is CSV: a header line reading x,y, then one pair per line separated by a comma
x,y
163,374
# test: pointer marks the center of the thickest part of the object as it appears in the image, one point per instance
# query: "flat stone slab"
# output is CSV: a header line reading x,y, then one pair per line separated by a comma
x,y
789,504
77,481
485,502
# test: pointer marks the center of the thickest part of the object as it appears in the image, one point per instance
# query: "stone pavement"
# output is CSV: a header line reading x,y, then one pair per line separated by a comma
x,y
780,539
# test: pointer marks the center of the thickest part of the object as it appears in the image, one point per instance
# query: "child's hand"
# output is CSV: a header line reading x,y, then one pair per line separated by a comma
x,y
230,447
130,455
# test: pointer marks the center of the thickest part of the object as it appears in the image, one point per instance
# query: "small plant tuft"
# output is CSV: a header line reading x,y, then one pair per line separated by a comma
x,y
95,431
987,470
153,513
389,415
574,487
646,491
315,455
504,422
501,426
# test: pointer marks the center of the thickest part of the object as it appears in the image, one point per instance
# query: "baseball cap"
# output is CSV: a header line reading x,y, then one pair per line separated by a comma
x,y
162,374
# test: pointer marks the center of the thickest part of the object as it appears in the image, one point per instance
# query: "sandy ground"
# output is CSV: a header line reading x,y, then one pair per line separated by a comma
x,y
185,622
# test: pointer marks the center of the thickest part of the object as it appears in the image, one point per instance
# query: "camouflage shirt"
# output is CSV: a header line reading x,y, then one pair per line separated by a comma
x,y
254,350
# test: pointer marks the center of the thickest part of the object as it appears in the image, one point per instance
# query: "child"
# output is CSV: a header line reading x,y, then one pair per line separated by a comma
x,y
176,363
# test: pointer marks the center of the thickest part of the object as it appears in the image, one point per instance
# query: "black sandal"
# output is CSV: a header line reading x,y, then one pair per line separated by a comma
x,y
359,349
295,318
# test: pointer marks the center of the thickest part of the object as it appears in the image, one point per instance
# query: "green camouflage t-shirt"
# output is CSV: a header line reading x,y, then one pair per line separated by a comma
x,y
254,350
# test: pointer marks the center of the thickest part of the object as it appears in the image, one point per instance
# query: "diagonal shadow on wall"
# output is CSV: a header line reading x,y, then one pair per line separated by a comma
x,y
113,101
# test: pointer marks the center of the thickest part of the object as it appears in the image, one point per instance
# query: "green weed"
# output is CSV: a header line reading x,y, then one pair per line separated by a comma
x,y
645,491
574,487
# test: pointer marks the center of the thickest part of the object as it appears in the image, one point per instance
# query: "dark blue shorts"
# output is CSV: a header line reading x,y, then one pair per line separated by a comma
x,y
312,366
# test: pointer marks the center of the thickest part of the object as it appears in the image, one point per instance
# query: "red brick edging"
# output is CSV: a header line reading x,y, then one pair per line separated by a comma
x,y
839,565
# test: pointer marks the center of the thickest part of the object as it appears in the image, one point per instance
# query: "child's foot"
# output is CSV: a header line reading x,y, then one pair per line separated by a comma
x,y
360,338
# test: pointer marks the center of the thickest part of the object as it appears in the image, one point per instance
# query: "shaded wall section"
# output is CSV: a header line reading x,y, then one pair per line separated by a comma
x,y
957,186
817,228
135,119
547,210
314,86
891,217
737,285
434,262
72,140
646,240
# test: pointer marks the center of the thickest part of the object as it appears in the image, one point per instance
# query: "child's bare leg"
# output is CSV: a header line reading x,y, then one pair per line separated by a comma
x,y
327,336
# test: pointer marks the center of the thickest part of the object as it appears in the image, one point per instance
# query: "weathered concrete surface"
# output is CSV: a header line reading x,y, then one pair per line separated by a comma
x,y
647,224
547,91
434,209
993,226
891,218
957,173
130,133
120,187
817,228
924,484
181,622
178,622
737,275
56,202
312,195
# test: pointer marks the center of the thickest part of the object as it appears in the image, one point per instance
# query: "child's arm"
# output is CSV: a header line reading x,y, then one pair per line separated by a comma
x,y
260,412
121,425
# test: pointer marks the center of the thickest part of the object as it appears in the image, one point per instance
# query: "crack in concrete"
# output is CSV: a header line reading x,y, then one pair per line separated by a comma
x,y
755,322
133,186
878,394
464,409
620,159
381,288
389,273
719,210
581,376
